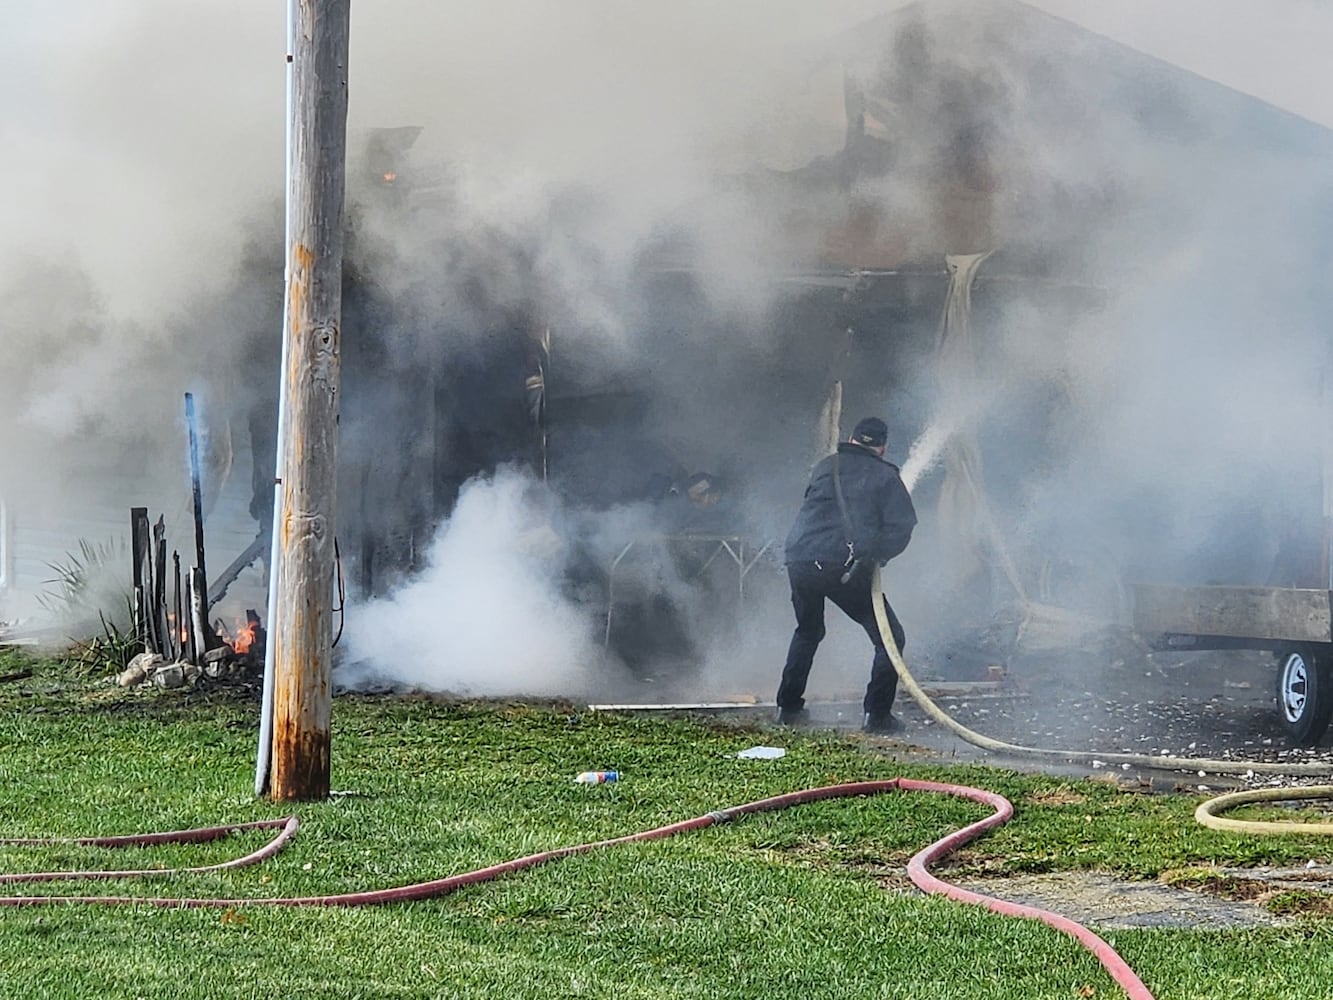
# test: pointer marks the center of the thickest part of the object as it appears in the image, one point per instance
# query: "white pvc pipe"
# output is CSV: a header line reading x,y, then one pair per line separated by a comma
x,y
1326,394
6,547
265,757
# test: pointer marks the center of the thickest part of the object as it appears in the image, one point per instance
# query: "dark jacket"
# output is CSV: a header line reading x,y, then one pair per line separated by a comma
x,y
879,510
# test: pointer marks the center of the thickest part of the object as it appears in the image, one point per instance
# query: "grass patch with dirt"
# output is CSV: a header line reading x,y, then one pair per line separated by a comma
x,y
788,904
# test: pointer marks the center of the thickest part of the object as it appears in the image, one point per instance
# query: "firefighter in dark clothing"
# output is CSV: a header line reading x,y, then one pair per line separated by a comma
x,y
856,514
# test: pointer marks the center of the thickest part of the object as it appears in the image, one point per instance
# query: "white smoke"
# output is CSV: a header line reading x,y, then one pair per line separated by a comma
x,y
486,615
143,149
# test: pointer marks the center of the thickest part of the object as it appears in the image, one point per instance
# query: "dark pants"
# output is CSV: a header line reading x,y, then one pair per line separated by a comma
x,y
810,584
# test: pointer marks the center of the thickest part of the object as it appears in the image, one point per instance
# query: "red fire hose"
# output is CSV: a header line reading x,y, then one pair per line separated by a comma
x,y
917,868
200,835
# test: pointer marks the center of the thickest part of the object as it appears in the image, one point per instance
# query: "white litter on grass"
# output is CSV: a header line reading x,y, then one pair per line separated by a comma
x,y
762,753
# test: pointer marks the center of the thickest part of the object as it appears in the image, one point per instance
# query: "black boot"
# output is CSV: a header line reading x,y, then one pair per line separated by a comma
x,y
882,723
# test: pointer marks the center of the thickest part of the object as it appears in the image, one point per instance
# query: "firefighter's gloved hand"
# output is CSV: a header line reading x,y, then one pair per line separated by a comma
x,y
859,570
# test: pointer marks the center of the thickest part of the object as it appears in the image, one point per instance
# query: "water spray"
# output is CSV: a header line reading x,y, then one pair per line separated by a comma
x,y
927,450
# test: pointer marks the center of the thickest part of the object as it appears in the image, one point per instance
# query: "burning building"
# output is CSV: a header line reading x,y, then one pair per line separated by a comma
x,y
1086,283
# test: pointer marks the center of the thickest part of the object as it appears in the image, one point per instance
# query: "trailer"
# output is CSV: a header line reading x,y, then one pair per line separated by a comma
x,y
1295,624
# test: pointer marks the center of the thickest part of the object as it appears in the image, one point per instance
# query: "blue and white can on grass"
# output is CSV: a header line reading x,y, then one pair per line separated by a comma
x,y
596,777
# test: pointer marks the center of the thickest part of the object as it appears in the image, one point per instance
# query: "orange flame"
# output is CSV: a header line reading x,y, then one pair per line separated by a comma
x,y
181,628
244,638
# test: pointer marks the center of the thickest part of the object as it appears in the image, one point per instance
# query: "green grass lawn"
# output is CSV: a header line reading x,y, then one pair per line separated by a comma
x,y
809,902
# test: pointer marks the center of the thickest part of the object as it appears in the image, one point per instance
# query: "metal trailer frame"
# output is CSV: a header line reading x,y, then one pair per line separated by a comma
x,y
1295,624
745,554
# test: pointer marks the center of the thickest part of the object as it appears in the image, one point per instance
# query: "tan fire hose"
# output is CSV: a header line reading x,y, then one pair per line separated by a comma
x,y
1221,767
1207,811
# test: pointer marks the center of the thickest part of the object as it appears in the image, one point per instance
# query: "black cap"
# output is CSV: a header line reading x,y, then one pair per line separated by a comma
x,y
871,432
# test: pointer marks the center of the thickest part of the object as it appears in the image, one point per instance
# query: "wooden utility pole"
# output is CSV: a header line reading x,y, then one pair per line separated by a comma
x,y
301,629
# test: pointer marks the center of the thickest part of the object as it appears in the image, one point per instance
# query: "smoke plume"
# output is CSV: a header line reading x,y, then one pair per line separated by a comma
x,y
485,615
719,212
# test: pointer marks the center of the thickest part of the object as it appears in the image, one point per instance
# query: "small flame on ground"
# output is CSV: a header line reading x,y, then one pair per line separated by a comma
x,y
181,628
244,638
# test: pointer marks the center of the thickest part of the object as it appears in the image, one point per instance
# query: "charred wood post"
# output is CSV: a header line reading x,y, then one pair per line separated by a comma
x,y
171,623
207,637
301,626
192,650
177,619
161,619
139,541
199,627
196,486
217,589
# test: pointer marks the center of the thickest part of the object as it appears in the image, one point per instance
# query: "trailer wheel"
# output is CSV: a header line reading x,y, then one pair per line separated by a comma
x,y
1304,695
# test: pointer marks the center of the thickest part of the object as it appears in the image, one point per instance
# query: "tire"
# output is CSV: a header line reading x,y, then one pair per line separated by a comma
x,y
1304,695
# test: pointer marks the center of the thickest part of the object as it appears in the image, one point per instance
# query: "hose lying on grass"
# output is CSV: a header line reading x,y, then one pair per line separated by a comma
x,y
918,869
1207,813
200,835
